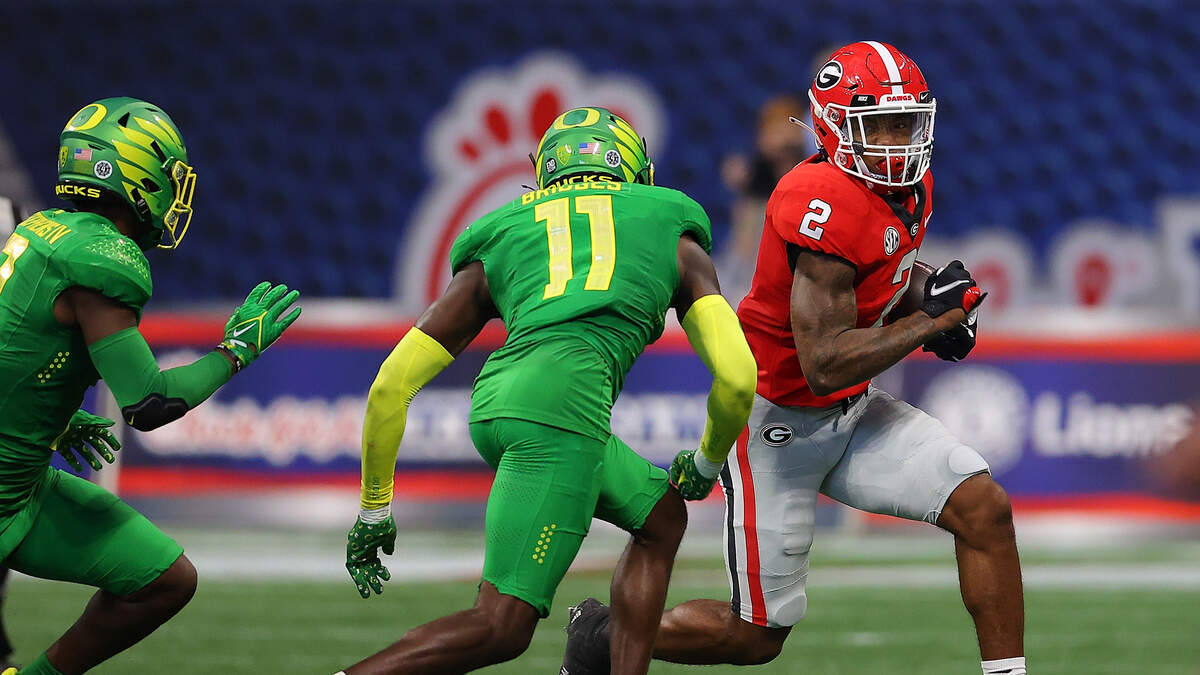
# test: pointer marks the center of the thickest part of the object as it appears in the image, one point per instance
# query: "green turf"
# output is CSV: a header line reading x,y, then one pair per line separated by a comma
x,y
298,628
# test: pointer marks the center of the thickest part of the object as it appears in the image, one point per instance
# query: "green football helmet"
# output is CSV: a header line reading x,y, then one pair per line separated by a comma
x,y
132,150
592,140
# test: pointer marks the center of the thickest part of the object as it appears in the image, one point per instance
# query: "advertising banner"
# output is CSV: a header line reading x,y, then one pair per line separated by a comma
x,y
1062,417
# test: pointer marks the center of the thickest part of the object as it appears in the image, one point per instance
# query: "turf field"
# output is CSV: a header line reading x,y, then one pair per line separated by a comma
x,y
875,606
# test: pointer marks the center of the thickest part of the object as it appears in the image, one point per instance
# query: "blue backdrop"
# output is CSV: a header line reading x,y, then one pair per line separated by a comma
x,y
306,119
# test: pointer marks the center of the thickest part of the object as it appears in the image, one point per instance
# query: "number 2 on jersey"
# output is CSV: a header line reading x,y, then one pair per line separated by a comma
x,y
818,213
13,249
557,214
902,269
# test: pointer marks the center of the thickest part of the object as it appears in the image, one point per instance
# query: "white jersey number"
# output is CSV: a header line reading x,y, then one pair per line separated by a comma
x,y
819,213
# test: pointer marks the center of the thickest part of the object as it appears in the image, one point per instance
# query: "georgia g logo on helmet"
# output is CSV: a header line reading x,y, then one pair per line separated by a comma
x,y
829,75
873,114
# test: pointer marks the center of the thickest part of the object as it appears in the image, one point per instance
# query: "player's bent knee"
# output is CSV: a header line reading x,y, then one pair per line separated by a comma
x,y
509,639
174,587
980,511
510,623
758,645
666,523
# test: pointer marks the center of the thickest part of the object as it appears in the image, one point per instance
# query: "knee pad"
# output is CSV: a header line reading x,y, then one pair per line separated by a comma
x,y
790,612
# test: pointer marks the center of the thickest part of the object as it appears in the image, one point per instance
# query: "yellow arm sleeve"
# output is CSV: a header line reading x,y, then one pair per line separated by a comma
x,y
411,365
714,332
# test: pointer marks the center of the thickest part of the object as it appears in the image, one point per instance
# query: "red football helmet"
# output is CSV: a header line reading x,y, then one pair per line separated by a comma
x,y
873,114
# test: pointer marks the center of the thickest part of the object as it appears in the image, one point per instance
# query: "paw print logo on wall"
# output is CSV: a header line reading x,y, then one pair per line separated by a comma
x,y
478,151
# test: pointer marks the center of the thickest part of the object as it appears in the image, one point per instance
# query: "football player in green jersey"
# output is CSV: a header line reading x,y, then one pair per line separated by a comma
x,y
11,213
72,287
582,270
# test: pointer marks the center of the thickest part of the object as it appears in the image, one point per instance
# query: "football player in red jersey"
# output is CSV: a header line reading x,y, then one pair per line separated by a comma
x,y
841,236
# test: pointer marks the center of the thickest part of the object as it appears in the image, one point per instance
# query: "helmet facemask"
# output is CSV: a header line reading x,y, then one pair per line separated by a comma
x,y
867,140
179,213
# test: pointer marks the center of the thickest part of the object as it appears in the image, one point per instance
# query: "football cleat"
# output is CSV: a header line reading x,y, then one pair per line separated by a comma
x,y
9,671
587,640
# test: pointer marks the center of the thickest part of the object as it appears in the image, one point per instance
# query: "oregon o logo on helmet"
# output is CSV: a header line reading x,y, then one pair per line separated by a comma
x,y
103,169
776,435
828,76
891,240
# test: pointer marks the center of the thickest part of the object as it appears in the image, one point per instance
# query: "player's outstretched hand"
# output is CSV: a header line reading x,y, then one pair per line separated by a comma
x,y
259,322
951,287
85,435
363,544
956,343
686,478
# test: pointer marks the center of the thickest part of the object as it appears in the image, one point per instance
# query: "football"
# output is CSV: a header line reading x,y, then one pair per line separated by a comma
x,y
914,295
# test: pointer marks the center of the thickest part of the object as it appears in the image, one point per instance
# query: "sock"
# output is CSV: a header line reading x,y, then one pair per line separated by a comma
x,y
40,666
1013,666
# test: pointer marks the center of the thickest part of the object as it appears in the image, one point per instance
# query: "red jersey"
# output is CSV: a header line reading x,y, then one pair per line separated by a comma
x,y
817,207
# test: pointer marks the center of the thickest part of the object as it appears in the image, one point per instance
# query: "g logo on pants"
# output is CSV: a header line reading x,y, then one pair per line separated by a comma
x,y
776,435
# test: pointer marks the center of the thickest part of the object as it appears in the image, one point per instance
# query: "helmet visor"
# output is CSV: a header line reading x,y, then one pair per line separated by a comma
x,y
179,214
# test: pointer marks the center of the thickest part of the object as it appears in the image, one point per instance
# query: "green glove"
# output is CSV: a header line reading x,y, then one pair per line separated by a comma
x,y
256,325
362,554
687,478
84,430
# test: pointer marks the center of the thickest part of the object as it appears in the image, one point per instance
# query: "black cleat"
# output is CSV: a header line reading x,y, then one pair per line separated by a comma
x,y
587,640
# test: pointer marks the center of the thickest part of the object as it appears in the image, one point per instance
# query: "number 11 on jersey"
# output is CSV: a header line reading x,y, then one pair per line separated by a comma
x,y
557,215
13,249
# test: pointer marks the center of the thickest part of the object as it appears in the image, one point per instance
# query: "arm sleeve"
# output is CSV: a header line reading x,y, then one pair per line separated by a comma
x,y
714,332
149,397
411,365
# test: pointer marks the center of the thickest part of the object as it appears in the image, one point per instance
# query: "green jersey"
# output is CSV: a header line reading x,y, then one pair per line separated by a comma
x,y
582,274
44,366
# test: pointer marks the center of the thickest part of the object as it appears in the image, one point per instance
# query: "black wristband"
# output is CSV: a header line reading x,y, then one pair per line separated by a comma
x,y
237,363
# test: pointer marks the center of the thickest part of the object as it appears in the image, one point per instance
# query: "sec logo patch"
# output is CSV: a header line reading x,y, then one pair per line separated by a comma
x,y
891,240
776,435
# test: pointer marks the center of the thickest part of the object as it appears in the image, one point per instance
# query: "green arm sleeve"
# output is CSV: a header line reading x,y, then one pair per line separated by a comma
x,y
149,397
714,332
410,366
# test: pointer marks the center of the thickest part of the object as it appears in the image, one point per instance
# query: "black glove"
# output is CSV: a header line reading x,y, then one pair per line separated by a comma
x,y
951,287
956,343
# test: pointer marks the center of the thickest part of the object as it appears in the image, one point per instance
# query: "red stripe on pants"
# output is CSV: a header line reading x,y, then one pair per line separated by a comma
x,y
758,605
